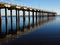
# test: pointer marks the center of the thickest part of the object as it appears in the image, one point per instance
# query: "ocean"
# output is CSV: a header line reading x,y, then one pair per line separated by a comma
x,y
47,33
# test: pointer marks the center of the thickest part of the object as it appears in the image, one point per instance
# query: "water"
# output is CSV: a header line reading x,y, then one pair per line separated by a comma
x,y
46,34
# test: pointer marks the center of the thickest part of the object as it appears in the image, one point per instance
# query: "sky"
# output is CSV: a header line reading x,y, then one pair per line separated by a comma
x,y
50,5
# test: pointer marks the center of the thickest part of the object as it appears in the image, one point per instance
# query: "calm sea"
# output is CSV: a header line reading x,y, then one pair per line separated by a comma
x,y
46,34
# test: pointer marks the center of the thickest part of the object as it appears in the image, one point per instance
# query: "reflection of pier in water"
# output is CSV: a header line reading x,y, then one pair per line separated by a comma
x,y
29,28
43,21
38,13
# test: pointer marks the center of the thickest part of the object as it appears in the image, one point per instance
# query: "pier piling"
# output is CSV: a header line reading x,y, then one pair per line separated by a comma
x,y
23,19
29,18
36,18
33,18
18,20
11,20
0,21
6,20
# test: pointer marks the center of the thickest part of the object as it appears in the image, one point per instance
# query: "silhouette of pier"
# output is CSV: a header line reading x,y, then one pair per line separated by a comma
x,y
39,14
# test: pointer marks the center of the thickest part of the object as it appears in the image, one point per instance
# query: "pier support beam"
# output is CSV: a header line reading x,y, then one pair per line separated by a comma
x,y
18,21
39,17
42,14
53,14
47,14
6,20
11,19
29,18
23,19
33,18
0,21
36,18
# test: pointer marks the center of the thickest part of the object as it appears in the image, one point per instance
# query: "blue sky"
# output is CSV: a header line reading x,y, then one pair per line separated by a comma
x,y
51,5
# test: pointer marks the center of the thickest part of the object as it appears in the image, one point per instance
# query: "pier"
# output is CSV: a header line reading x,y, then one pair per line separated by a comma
x,y
38,13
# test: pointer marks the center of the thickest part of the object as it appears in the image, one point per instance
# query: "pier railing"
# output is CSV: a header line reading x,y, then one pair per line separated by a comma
x,y
39,14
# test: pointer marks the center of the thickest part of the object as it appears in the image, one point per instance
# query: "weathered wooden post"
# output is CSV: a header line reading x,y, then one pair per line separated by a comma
x,y
6,20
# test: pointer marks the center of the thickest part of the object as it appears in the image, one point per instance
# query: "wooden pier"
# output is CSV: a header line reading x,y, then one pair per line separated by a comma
x,y
39,14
